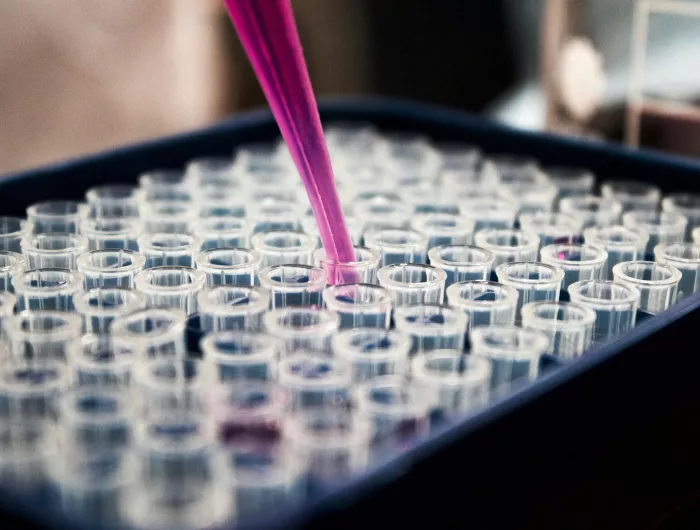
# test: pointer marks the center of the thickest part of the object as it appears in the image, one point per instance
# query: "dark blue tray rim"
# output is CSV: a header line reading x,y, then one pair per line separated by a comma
x,y
420,114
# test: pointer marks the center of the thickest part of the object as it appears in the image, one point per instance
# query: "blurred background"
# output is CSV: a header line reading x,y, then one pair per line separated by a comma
x,y
84,75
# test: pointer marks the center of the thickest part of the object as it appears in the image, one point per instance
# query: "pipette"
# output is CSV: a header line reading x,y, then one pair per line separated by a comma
x,y
269,36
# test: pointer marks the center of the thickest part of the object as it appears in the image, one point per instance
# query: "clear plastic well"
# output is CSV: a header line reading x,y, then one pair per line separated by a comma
x,y
615,305
686,258
294,285
514,354
359,305
569,326
432,327
657,283
229,266
462,263
485,303
508,245
111,268
411,284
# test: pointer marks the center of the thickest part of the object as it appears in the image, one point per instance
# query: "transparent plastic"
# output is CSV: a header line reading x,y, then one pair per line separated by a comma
x,y
172,386
454,382
111,268
41,336
260,470
30,391
232,307
264,162
592,210
362,174
229,266
294,285
53,251
362,270
11,264
633,195
220,203
98,307
484,303
477,191
571,181
161,250
489,212
113,201
412,154
686,204
552,228
27,448
508,245
171,287
462,263
509,168
222,232
531,196
579,262
302,329
52,217
399,413
92,486
12,231
315,381
444,229
351,140
535,282
206,172
686,258
47,289
379,213
274,215
661,227
398,246
569,326
411,284
621,244
174,217
241,355
7,308
359,305
248,421
459,156
284,248
514,354
112,233
165,185
175,483
425,198
104,361
615,305
432,327
657,283
334,444
373,352
94,420
153,332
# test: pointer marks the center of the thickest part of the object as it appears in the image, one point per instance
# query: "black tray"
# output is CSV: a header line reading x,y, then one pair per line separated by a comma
x,y
609,441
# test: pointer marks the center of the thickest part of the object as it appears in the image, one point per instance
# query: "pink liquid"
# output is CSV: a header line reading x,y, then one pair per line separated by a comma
x,y
269,36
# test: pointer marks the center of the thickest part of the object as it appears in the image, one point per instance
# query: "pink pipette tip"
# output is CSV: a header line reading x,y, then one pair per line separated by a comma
x,y
269,36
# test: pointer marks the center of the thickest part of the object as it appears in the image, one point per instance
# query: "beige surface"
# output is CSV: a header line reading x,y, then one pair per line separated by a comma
x,y
82,75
